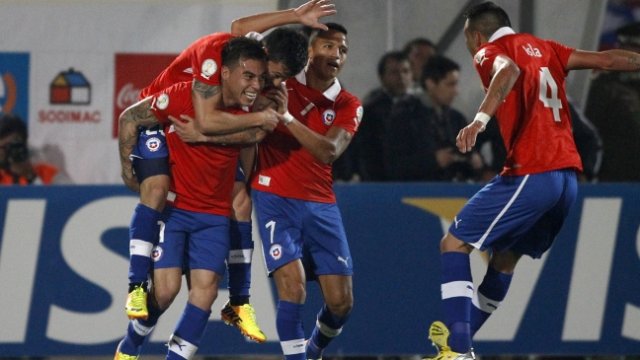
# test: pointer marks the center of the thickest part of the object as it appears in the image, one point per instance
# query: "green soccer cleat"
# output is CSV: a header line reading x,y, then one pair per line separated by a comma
x,y
136,306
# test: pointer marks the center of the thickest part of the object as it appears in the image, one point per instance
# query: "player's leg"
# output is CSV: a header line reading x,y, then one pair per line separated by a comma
x,y
338,298
290,283
208,245
151,169
282,247
167,277
330,260
493,288
238,311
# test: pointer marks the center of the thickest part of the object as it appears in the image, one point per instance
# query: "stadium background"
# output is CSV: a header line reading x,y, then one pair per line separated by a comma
x,y
70,66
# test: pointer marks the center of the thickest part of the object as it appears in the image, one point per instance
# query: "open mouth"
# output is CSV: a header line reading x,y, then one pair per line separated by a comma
x,y
251,95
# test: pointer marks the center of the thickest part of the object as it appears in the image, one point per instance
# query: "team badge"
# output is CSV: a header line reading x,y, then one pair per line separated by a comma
x,y
162,102
153,144
275,251
328,116
156,253
209,67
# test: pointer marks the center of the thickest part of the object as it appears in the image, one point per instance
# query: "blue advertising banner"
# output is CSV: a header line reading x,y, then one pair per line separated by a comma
x,y
63,276
14,84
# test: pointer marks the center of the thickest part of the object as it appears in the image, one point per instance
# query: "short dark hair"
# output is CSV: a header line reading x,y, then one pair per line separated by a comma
x,y
419,41
487,17
289,47
12,124
331,27
437,68
391,55
242,48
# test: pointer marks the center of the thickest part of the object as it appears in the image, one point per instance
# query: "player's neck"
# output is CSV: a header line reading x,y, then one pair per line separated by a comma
x,y
318,83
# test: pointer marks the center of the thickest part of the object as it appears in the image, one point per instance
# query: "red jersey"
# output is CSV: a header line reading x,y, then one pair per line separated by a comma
x,y
201,60
534,119
202,175
285,167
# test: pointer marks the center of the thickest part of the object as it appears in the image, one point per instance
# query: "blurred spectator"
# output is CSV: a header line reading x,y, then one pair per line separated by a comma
x,y
390,144
418,50
16,165
440,81
613,105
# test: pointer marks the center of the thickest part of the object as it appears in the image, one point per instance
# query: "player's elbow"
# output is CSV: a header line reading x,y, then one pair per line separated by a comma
x,y
329,155
238,28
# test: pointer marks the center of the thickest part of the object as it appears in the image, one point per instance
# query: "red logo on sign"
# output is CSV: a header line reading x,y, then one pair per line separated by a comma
x,y
133,73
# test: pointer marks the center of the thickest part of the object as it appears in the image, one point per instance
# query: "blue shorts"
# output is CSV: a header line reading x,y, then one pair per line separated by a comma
x,y
192,240
294,229
150,156
518,213
240,173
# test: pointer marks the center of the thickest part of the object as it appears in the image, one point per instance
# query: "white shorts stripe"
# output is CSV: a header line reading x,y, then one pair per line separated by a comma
x,y
484,303
182,347
457,289
478,244
140,247
292,347
242,256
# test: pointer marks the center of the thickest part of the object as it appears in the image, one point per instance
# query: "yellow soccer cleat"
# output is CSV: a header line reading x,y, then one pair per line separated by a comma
x,y
121,356
439,336
244,318
136,306
452,355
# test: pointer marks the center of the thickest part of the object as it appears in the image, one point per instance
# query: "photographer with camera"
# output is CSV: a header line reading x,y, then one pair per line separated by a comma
x,y
16,167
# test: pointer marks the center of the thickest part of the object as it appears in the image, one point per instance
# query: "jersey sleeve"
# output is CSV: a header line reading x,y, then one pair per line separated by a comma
x,y
562,51
206,58
349,113
174,100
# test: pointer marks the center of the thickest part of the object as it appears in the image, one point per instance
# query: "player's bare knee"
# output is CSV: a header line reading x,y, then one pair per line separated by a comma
x,y
504,261
451,243
293,292
342,307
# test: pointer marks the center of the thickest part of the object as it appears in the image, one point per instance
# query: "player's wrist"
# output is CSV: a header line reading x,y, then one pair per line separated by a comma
x,y
482,118
287,118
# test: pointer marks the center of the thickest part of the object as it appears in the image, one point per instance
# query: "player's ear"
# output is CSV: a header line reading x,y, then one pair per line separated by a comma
x,y
225,72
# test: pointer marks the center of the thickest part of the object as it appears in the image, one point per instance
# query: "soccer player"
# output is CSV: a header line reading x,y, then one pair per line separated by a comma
x,y
521,210
199,63
195,234
295,204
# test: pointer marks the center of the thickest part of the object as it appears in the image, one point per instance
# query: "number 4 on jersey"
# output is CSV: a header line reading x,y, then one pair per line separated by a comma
x,y
549,93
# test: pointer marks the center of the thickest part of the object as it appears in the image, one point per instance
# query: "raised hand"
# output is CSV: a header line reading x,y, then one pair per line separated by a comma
x,y
311,11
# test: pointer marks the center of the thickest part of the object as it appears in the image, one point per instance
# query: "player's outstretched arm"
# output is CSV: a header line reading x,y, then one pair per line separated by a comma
x,y
306,14
615,59
504,75
136,115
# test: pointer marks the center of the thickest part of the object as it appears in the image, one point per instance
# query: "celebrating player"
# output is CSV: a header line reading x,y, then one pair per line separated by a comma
x,y
300,223
196,231
520,211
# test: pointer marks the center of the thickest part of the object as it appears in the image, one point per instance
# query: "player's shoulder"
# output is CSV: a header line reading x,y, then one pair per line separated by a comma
x,y
345,97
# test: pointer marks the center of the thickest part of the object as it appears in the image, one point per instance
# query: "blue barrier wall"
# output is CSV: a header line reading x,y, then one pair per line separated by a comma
x,y
63,276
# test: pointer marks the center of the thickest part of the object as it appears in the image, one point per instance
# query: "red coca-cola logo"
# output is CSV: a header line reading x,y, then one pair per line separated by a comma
x,y
133,72
127,96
